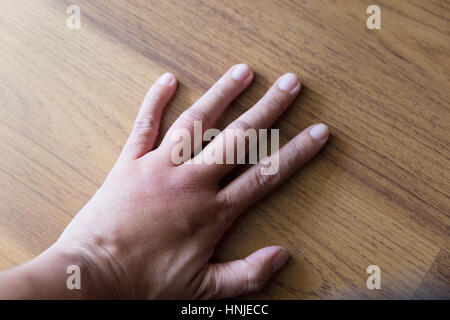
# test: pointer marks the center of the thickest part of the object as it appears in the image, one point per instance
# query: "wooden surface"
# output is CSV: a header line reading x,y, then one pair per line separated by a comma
x,y
377,194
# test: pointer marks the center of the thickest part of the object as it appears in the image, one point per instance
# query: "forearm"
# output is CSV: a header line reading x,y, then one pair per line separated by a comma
x,y
47,277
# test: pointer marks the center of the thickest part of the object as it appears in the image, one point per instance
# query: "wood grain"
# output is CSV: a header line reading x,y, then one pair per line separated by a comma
x,y
377,194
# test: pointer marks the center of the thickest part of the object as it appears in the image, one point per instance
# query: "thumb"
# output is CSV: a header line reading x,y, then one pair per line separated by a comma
x,y
231,279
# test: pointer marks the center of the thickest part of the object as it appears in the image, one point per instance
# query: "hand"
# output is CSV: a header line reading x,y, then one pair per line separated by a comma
x,y
151,229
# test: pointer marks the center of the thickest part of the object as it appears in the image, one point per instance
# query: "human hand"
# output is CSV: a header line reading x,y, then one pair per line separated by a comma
x,y
151,228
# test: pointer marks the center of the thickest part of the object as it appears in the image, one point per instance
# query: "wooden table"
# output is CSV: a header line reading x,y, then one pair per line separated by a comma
x,y
378,194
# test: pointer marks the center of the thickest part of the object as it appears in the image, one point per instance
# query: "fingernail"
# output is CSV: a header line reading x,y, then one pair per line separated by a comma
x,y
319,131
288,82
241,72
280,259
166,79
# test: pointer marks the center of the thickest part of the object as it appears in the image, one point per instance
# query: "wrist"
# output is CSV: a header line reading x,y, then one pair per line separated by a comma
x,y
101,276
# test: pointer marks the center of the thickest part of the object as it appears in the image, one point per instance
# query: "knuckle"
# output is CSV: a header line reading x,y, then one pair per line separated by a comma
x,y
208,288
224,201
239,130
240,125
255,280
193,114
144,128
211,285
221,92
153,99
145,123
272,102
265,181
301,147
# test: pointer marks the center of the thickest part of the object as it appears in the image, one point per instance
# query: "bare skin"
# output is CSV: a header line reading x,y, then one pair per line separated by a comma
x,y
150,230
